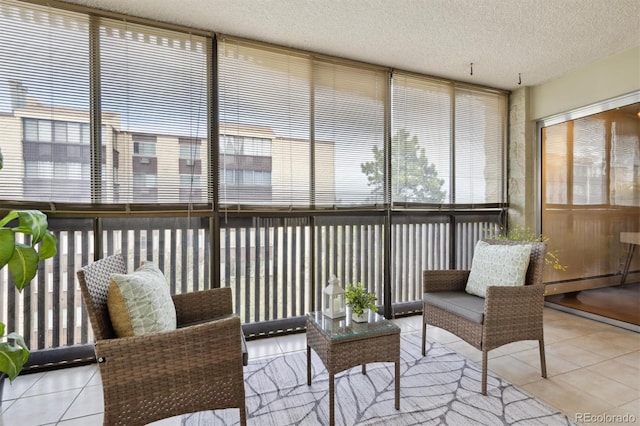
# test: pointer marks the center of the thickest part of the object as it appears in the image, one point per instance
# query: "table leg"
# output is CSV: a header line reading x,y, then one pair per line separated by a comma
x,y
627,264
364,368
332,421
397,385
308,366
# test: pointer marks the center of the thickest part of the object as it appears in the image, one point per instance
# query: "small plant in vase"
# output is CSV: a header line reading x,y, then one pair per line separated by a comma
x,y
360,300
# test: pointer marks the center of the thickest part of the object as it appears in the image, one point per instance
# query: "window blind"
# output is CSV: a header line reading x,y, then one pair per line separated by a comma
x,y
421,141
265,115
153,83
154,114
480,143
295,129
44,104
349,127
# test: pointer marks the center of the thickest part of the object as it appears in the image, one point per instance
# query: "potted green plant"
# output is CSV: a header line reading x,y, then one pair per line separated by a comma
x,y
360,300
521,233
21,257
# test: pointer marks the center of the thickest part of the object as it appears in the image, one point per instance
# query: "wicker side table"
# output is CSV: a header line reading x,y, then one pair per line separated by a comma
x,y
341,344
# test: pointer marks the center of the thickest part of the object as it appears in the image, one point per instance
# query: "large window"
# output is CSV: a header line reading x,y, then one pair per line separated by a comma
x,y
318,161
448,142
318,121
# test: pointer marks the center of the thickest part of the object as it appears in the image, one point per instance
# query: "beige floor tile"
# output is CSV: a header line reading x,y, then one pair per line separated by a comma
x,y
554,315
627,410
607,344
19,386
94,420
89,402
96,380
631,359
260,348
40,409
564,397
620,337
555,364
513,370
409,324
553,336
566,329
604,388
572,353
63,379
292,343
623,373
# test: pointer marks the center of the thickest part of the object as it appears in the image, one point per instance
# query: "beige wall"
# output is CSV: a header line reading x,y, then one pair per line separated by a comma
x,y
614,76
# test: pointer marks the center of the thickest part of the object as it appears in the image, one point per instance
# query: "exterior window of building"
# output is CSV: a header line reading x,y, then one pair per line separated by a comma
x,y
189,151
145,149
187,181
241,145
56,159
190,169
37,130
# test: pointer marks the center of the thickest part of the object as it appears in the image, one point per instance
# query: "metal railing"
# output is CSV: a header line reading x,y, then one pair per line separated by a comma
x,y
276,266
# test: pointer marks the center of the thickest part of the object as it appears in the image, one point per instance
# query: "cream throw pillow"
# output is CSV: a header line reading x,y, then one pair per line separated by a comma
x,y
497,265
140,302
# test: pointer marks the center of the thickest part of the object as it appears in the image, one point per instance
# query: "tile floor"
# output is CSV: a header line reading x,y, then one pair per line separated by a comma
x,y
594,369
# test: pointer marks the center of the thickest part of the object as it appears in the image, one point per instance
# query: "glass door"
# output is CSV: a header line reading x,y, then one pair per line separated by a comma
x,y
591,211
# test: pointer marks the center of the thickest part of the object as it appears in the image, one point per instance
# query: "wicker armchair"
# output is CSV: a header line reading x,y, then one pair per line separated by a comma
x,y
146,378
505,315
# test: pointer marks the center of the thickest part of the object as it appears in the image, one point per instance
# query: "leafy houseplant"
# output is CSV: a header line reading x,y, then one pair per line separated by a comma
x,y
359,299
21,259
520,233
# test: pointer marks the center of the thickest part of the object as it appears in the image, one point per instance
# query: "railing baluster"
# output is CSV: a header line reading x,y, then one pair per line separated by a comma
x,y
293,261
256,268
269,305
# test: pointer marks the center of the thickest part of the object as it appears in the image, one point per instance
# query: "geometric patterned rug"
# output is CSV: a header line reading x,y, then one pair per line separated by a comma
x,y
442,388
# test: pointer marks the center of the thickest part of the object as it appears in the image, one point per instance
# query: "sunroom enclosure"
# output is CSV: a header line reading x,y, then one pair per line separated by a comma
x,y
235,163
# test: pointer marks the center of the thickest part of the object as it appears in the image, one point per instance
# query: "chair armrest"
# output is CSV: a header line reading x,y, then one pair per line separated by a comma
x,y
444,280
512,305
199,306
215,347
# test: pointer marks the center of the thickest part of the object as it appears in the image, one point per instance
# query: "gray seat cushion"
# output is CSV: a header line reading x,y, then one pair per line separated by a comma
x,y
458,302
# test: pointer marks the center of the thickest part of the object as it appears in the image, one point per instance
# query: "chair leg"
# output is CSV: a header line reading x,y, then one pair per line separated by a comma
x,y
484,371
424,336
243,416
543,362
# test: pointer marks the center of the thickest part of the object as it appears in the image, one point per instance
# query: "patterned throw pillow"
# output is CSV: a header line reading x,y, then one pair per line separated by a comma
x,y
140,302
497,265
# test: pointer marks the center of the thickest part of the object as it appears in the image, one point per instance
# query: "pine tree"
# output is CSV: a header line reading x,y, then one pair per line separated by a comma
x,y
413,179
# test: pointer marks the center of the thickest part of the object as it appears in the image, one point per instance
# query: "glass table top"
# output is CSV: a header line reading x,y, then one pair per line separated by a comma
x,y
346,328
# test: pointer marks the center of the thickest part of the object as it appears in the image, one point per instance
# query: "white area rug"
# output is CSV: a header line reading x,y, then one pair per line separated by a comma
x,y
442,388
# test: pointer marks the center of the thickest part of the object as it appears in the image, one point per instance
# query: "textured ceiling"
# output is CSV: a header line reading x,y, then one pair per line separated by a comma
x,y
538,39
